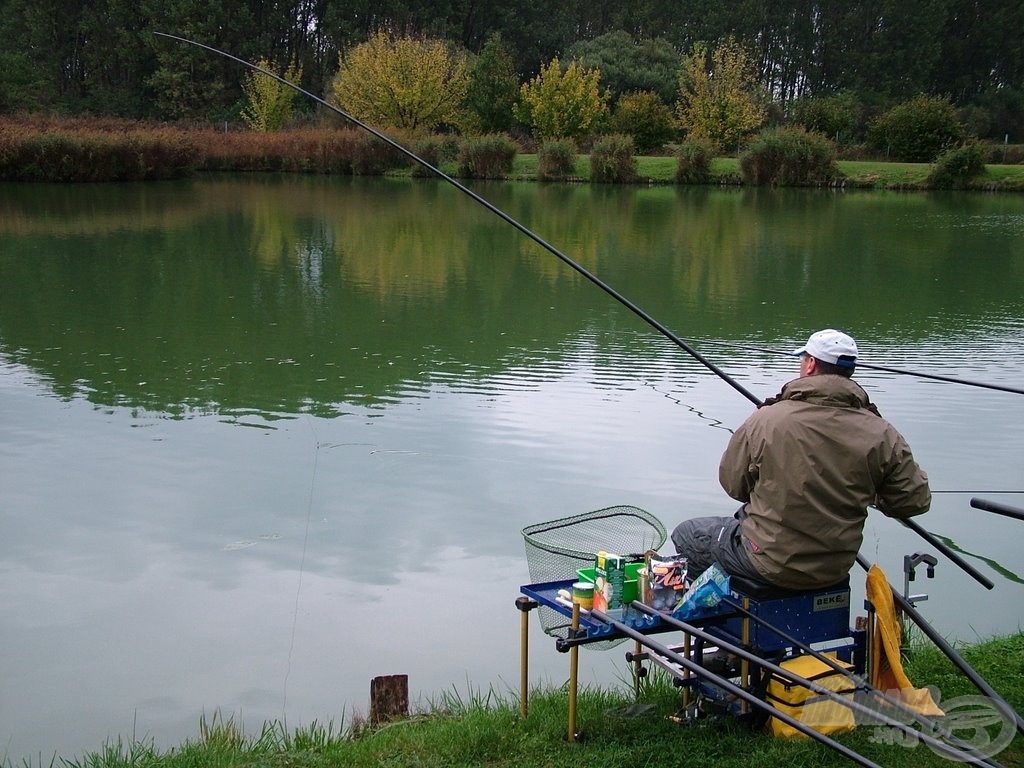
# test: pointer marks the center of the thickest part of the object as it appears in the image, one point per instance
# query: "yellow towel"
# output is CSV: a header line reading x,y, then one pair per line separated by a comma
x,y
887,669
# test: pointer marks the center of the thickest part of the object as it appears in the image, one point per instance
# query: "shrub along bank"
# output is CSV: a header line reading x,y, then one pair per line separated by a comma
x,y
35,149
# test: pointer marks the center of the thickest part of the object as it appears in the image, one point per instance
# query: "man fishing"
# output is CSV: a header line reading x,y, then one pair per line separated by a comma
x,y
807,465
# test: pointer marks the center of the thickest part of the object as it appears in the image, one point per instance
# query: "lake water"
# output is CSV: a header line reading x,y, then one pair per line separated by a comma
x,y
263,439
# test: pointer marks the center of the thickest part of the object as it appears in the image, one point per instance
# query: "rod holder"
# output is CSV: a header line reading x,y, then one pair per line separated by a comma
x,y
910,564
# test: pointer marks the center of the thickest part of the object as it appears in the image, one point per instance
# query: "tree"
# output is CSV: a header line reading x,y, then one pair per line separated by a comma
x,y
402,82
837,115
917,131
270,102
627,65
645,117
560,104
719,100
493,87
188,82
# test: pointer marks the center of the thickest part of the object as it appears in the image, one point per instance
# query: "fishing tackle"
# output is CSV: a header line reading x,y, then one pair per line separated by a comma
x,y
999,509
907,608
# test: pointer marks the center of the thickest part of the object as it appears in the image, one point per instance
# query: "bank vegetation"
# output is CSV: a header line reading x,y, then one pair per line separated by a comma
x,y
44,149
619,730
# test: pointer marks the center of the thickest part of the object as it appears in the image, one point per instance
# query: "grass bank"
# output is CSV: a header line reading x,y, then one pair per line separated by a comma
x,y
86,149
484,729
856,174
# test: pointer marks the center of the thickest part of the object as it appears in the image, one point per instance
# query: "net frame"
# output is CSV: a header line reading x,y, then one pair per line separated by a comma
x,y
556,549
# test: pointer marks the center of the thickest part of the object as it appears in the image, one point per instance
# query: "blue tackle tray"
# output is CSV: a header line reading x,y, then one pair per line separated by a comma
x,y
546,594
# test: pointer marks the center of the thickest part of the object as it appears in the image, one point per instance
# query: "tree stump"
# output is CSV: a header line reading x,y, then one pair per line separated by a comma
x,y
389,698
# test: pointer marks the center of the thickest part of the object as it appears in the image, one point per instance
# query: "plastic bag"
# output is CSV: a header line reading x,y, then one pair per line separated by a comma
x,y
706,592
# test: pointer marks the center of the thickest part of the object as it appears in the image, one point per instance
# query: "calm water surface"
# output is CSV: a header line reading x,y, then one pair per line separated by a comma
x,y
263,439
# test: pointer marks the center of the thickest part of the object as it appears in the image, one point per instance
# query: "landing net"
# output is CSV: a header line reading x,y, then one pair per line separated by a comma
x,y
556,549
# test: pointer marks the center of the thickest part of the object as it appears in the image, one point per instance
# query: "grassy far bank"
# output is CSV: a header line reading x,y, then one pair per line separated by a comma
x,y
484,729
61,150
861,174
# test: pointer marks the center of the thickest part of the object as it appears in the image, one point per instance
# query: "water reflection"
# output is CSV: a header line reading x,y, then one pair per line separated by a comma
x,y
292,296
249,428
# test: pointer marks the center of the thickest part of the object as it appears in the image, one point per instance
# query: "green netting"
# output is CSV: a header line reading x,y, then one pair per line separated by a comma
x,y
556,549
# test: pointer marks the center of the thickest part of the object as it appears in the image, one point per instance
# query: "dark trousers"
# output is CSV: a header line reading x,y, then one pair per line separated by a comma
x,y
708,540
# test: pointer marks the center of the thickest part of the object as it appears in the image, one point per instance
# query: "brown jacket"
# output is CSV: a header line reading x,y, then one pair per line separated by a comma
x,y
807,467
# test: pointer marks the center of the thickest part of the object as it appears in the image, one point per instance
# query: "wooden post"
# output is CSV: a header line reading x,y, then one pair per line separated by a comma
x,y
389,698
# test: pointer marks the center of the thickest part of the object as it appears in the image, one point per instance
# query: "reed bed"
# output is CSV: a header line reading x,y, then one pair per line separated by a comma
x,y
40,149
88,150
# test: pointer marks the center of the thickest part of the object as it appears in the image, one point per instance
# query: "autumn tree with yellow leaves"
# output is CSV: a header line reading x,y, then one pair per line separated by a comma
x,y
720,100
411,83
269,102
563,104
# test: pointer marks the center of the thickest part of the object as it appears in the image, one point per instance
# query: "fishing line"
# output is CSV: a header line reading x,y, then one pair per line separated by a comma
x,y
302,567
642,314
887,369
713,422
974,492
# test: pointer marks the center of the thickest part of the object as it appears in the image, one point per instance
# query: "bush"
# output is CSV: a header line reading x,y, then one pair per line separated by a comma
x,y
789,156
917,131
435,149
838,116
487,157
955,167
693,162
1004,154
994,113
645,117
347,151
556,160
611,159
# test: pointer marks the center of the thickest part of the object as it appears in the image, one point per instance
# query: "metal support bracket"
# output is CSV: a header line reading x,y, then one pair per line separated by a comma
x,y
910,563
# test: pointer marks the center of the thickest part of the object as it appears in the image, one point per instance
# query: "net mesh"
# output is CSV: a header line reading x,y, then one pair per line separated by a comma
x,y
556,549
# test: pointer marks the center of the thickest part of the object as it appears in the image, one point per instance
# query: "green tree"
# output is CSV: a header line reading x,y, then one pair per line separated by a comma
x,y
559,104
41,53
889,47
402,82
493,87
917,131
628,65
270,102
838,115
189,82
719,99
646,118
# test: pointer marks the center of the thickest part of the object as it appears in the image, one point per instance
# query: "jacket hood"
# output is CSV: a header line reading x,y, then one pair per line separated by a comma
x,y
827,389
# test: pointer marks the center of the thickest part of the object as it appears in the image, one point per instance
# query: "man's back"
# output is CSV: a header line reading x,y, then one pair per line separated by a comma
x,y
809,465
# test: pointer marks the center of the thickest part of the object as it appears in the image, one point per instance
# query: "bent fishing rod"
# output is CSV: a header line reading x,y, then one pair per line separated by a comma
x,y
634,308
630,305
887,369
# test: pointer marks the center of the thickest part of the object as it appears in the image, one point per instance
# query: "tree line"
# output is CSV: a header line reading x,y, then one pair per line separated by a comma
x,y
100,56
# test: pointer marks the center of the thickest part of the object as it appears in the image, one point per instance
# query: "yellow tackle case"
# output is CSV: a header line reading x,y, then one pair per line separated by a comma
x,y
812,709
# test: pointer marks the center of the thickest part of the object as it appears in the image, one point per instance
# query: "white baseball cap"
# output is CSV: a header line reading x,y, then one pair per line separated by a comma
x,y
831,346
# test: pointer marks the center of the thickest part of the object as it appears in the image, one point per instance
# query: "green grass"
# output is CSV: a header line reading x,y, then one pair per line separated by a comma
x,y
484,729
860,174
